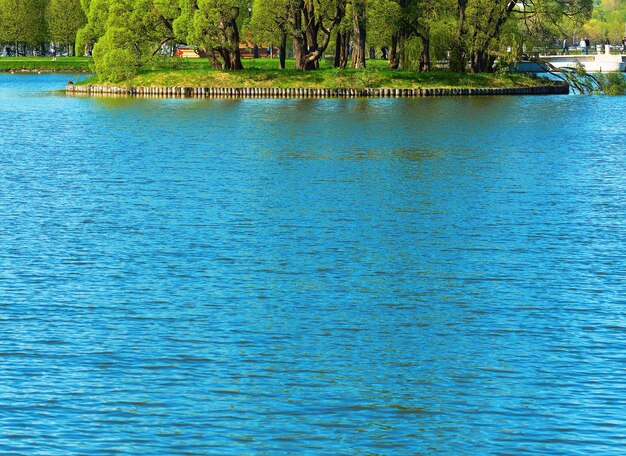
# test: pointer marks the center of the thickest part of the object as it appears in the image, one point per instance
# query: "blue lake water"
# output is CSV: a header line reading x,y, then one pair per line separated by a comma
x,y
384,276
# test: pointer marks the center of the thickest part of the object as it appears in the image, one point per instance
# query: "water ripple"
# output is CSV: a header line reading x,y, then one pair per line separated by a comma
x,y
436,276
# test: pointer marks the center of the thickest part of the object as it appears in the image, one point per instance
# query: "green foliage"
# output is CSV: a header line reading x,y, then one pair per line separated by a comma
x,y
116,65
613,83
212,26
479,31
267,22
608,21
97,12
23,21
382,17
442,35
127,35
207,19
114,62
412,50
64,18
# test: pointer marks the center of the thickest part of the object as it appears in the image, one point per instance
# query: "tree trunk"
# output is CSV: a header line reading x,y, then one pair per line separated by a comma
x,y
299,51
345,51
231,60
425,56
302,57
231,56
312,65
234,52
299,40
458,53
338,46
311,37
342,49
312,26
393,60
223,52
481,61
235,59
358,49
304,60
476,64
396,55
215,64
283,51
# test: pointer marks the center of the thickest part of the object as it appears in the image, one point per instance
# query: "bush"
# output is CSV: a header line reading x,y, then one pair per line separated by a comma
x,y
613,83
114,62
116,65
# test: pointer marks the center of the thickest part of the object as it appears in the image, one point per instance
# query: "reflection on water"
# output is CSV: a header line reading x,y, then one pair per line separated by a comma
x,y
436,276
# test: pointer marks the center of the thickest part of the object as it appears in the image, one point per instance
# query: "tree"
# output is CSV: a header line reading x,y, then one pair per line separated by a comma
x,y
383,16
458,51
97,13
608,21
359,20
270,24
313,22
134,32
23,21
13,20
64,19
481,22
596,29
212,26
485,19
343,38
310,23
616,28
414,20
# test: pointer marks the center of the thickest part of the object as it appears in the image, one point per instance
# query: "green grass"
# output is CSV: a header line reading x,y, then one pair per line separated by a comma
x,y
46,64
261,73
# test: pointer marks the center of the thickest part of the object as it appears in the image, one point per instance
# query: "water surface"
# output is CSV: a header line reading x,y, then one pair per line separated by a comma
x,y
383,276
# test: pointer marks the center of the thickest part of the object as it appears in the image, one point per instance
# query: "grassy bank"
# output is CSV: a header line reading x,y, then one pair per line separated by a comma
x,y
262,73
46,64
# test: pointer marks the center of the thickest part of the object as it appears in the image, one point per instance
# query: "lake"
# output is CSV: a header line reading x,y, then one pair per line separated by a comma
x,y
316,276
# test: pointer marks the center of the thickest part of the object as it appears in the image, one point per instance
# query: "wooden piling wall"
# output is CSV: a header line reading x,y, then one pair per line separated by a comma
x,y
246,92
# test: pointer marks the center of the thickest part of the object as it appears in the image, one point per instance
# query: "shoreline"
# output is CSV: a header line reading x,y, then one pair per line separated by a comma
x,y
46,71
248,92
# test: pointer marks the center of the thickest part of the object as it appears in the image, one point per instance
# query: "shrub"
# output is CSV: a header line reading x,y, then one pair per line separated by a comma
x,y
613,83
114,61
